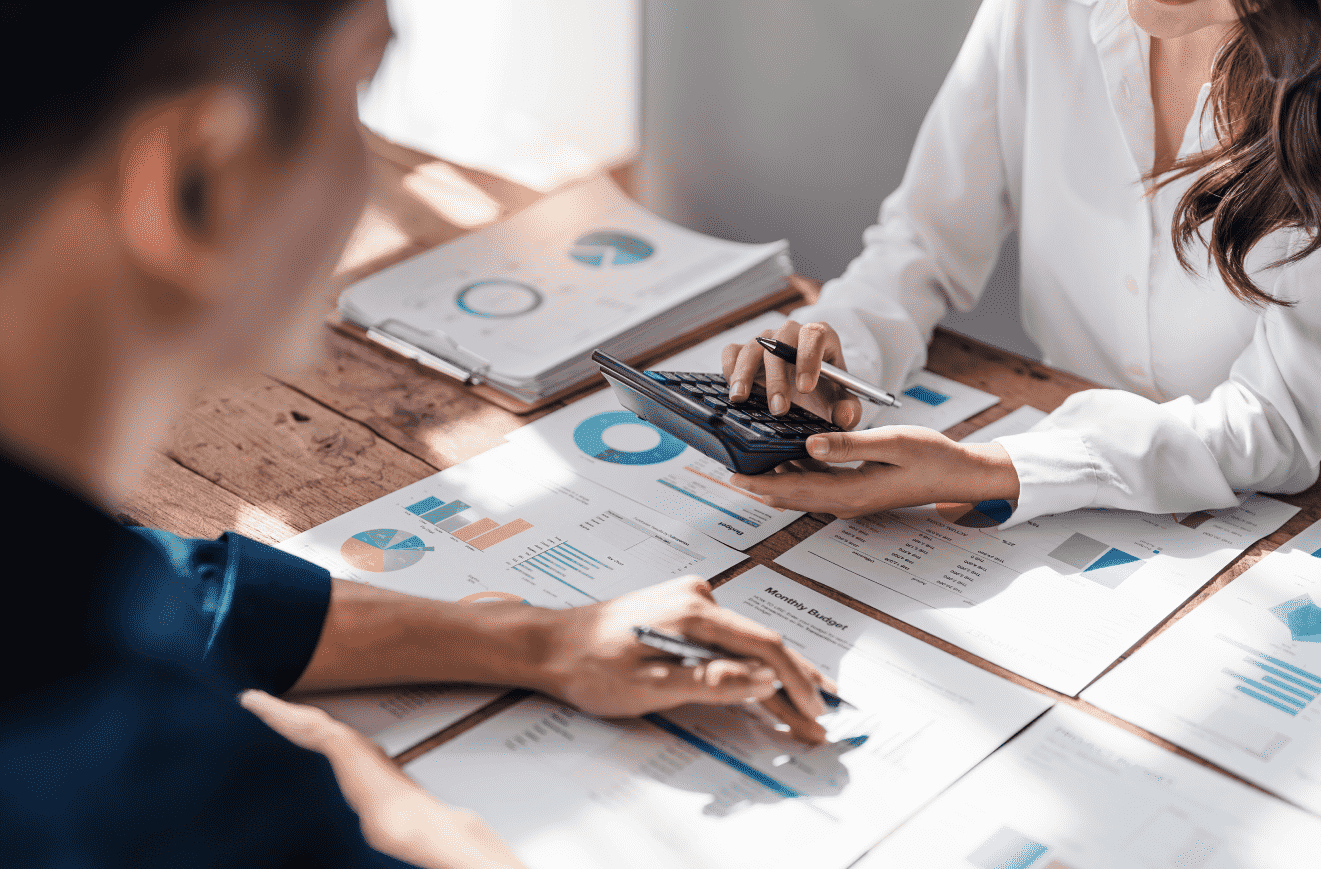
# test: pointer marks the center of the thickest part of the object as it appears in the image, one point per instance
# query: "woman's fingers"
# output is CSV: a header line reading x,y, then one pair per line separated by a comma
x,y
747,365
817,343
777,370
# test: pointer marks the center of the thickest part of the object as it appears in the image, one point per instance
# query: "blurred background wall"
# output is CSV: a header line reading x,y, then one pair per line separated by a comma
x,y
748,119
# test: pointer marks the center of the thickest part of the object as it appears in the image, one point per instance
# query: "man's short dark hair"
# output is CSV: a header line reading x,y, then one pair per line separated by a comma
x,y
76,71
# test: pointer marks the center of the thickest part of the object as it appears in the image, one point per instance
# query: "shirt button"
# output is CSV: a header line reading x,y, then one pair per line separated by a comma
x,y
1136,370
1131,285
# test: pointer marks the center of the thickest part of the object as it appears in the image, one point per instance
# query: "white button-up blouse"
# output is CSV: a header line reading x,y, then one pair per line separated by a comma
x,y
1045,124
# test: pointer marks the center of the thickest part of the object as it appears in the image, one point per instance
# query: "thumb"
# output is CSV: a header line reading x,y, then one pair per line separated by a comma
x,y
835,447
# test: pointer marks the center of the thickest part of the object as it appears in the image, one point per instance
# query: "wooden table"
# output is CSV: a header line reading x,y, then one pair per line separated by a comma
x,y
273,456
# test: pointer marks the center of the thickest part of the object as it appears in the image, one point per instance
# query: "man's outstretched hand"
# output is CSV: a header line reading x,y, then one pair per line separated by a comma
x,y
595,662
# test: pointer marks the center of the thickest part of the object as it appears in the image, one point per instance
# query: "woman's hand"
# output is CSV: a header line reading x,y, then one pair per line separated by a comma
x,y
594,661
800,383
398,817
903,466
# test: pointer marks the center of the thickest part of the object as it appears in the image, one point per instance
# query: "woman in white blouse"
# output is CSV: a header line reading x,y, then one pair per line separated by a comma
x,y
1161,160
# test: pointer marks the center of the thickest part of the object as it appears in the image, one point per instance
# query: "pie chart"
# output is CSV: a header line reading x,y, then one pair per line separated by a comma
x,y
383,549
607,248
620,438
987,514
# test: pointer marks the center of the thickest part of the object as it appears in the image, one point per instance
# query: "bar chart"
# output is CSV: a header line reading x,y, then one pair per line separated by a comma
x,y
456,519
1276,683
565,563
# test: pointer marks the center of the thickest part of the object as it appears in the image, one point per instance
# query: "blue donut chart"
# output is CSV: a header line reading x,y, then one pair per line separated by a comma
x,y
589,432
498,297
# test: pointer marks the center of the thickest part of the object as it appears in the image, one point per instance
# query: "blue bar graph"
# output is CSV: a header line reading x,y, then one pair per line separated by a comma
x,y
1302,683
1270,680
564,563
1282,685
424,505
440,514
1293,701
1269,702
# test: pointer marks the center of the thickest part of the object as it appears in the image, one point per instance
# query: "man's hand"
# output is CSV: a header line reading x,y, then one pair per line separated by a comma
x,y
797,384
398,817
594,661
903,466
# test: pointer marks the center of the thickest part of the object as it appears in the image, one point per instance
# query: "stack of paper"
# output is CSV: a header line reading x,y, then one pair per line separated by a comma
x,y
522,305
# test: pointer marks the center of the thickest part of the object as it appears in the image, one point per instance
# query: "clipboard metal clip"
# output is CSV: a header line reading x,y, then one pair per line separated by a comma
x,y
426,359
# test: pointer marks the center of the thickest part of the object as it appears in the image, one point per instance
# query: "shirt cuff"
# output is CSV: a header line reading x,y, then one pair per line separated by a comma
x,y
1056,473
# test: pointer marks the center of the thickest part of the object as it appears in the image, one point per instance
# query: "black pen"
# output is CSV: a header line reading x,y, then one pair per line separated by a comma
x,y
860,388
691,653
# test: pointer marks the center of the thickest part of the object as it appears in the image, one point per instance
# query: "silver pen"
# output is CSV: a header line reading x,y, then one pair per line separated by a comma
x,y
691,654
860,388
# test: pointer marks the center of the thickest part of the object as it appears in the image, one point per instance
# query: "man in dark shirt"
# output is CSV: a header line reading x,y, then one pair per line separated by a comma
x,y
176,177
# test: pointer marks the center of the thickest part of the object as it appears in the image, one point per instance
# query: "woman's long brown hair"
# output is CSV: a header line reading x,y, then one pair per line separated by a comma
x,y
1264,173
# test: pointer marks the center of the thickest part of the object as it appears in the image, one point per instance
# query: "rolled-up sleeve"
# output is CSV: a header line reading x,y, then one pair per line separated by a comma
x,y
257,611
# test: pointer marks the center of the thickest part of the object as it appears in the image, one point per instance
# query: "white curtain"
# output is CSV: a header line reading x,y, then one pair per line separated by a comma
x,y
538,91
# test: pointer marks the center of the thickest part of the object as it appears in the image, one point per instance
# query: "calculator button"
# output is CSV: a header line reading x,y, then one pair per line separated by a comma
x,y
713,401
655,375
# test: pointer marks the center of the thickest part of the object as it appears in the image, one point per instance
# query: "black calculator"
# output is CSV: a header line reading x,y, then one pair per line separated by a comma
x,y
695,407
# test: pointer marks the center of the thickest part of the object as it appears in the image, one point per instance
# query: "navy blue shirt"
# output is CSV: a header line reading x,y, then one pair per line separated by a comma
x,y
121,742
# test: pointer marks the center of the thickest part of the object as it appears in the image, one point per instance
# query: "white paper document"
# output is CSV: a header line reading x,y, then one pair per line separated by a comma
x,y
935,402
1015,422
1237,680
1056,599
1073,792
597,438
503,524
397,719
718,787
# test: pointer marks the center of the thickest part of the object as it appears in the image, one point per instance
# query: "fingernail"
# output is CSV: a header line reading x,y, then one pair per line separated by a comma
x,y
778,404
763,674
736,388
818,447
804,383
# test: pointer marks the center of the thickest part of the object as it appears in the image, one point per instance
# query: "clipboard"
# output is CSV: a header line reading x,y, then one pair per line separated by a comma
x,y
797,290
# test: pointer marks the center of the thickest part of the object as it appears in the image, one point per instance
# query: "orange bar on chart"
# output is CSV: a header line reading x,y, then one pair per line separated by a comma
x,y
504,532
481,526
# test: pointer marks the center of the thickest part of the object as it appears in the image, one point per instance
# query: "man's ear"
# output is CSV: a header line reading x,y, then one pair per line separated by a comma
x,y
185,170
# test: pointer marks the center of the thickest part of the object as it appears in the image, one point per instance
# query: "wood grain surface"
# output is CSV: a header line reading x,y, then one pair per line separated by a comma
x,y
271,457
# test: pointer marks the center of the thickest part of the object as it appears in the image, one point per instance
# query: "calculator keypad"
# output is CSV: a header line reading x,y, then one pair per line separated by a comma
x,y
752,414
